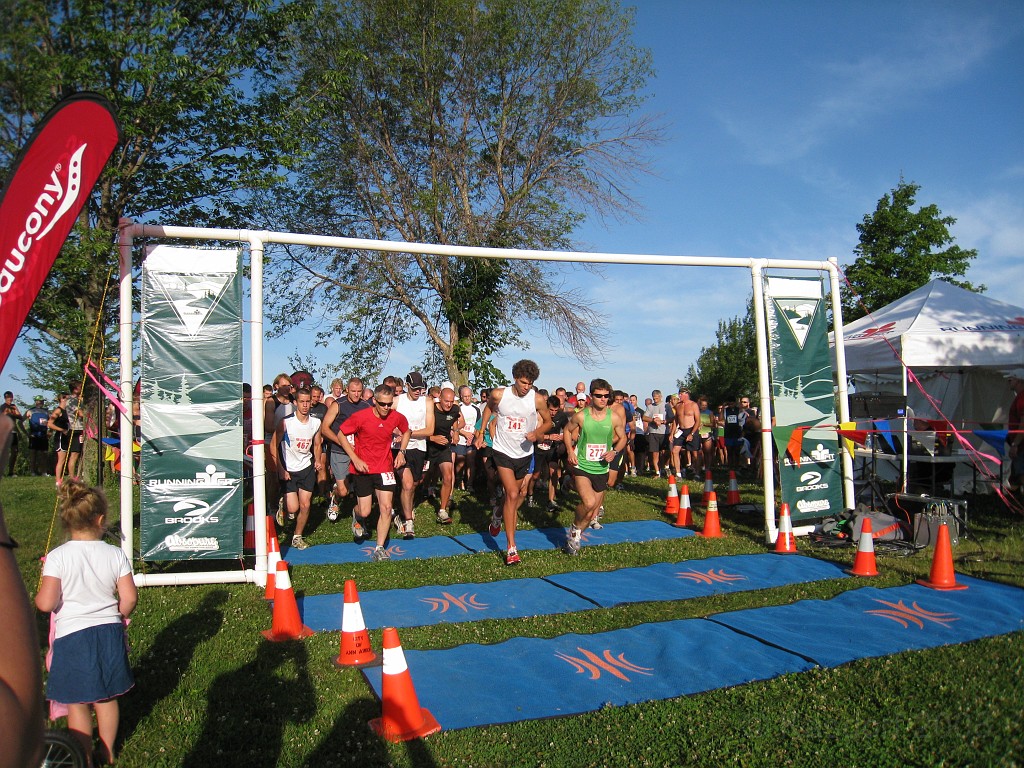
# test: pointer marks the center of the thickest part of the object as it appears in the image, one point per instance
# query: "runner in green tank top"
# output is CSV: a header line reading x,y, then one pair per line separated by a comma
x,y
593,438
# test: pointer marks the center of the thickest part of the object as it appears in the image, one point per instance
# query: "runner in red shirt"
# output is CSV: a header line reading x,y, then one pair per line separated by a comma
x,y
373,469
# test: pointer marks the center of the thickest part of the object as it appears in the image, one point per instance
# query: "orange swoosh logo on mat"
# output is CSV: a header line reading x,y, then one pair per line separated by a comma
x,y
902,614
711,576
592,663
446,601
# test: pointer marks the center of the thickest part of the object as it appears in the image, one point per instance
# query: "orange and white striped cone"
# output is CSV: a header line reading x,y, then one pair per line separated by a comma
x,y
864,561
685,515
709,487
712,525
249,537
286,624
402,718
672,500
732,498
273,558
785,542
356,650
942,575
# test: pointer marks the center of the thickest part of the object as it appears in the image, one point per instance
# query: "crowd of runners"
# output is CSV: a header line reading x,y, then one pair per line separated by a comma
x,y
518,444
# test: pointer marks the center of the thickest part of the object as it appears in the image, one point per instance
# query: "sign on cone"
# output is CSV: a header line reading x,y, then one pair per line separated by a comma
x,y
942,574
356,650
287,624
864,561
402,718
785,542
273,558
249,538
712,526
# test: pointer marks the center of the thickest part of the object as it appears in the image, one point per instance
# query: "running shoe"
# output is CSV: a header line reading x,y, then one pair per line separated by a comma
x,y
552,507
407,531
596,522
495,527
358,532
529,502
572,544
512,558
379,553
443,517
332,509
299,543
279,517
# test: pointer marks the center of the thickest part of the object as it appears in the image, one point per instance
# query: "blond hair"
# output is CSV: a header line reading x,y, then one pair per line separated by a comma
x,y
81,505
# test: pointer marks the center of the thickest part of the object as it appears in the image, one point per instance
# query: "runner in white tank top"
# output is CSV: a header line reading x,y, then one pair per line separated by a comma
x,y
522,419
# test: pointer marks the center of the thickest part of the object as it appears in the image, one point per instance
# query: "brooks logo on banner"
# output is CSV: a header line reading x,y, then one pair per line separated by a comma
x,y
51,181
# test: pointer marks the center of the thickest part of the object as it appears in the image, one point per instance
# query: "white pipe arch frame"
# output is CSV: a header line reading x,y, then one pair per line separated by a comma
x,y
256,240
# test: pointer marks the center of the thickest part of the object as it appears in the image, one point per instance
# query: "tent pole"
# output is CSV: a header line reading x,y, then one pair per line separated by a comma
x,y
903,367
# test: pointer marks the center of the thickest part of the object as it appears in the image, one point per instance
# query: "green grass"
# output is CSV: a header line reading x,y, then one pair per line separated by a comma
x,y
211,692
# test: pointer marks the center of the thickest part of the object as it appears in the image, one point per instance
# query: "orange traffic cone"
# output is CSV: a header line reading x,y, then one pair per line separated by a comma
x,y
709,487
273,558
402,718
672,500
712,528
733,496
942,574
249,537
685,515
355,640
864,561
286,624
785,542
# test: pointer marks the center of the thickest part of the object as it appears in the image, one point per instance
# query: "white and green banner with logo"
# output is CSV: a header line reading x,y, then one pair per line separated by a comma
x,y
803,396
191,405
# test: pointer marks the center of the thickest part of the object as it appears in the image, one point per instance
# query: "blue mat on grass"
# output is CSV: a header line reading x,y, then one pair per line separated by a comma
x,y
527,678
870,622
576,673
566,592
454,604
696,578
350,552
448,546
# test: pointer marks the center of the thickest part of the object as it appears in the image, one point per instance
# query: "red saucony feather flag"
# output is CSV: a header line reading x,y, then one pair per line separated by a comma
x,y
49,184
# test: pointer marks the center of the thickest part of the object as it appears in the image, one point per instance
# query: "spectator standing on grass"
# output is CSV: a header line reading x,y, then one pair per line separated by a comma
x,y
687,422
373,464
88,586
21,686
60,425
10,410
522,420
76,438
37,418
593,439
1015,430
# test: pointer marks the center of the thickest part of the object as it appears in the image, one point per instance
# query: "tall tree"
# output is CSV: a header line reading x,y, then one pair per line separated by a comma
x,y
727,368
900,250
191,82
497,123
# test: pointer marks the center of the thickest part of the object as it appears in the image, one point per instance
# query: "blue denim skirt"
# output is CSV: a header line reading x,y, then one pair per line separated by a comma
x,y
89,665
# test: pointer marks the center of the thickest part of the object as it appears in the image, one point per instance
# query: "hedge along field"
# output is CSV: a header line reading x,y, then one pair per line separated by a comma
x,y
211,691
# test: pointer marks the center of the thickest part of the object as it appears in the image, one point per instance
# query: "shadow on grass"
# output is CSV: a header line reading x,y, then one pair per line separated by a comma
x,y
351,740
159,671
237,732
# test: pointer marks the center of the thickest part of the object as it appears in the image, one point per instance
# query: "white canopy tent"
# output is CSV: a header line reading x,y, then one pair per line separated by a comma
x,y
956,342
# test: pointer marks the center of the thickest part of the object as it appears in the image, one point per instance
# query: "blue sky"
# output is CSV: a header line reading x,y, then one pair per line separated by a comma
x,y
786,123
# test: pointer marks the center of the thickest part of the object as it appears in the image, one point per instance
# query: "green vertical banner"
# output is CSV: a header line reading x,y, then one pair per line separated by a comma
x,y
191,404
803,397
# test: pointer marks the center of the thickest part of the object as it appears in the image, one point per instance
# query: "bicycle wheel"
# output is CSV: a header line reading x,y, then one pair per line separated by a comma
x,y
62,750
